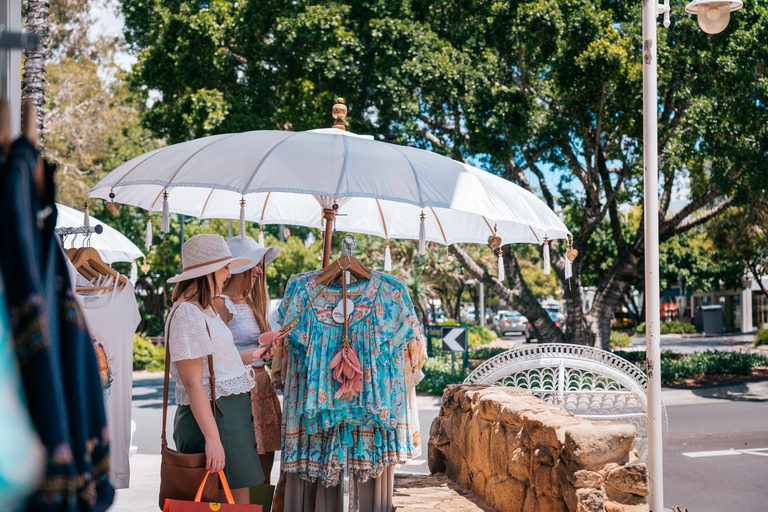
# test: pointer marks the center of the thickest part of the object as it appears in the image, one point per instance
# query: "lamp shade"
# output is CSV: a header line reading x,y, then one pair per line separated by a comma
x,y
713,15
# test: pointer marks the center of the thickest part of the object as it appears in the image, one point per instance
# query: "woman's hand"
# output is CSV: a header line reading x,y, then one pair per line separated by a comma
x,y
214,455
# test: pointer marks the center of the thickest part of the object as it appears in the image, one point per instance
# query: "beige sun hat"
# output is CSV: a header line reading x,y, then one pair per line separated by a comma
x,y
204,254
249,248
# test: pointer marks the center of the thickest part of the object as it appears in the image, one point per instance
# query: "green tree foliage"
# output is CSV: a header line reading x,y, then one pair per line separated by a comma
x,y
521,87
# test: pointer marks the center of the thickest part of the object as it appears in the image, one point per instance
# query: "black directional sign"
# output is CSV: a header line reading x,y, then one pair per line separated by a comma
x,y
454,339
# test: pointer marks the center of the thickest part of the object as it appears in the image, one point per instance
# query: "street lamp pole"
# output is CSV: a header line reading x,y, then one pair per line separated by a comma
x,y
652,287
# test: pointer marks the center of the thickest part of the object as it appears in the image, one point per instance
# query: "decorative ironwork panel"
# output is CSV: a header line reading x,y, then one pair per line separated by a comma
x,y
586,381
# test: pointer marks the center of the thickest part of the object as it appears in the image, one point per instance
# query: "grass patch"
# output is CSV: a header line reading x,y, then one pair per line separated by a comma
x,y
673,327
620,340
678,367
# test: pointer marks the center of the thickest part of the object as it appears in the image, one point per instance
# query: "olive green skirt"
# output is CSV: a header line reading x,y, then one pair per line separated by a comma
x,y
242,465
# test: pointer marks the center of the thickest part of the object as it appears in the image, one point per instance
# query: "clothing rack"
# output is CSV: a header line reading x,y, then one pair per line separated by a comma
x,y
82,230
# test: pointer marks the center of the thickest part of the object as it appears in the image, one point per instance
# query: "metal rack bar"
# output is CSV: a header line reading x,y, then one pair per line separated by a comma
x,y
83,230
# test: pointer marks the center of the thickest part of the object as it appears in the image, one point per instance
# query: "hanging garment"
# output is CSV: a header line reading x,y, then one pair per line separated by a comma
x,y
323,432
56,359
22,456
112,319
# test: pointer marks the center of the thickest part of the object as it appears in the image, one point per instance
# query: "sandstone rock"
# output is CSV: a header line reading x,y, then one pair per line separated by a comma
x,y
585,479
478,482
530,501
499,449
505,495
612,506
542,481
570,498
559,478
632,479
599,443
542,454
549,504
478,444
520,464
435,458
621,497
590,500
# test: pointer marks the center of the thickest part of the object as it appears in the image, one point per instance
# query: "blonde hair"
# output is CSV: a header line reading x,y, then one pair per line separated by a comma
x,y
257,296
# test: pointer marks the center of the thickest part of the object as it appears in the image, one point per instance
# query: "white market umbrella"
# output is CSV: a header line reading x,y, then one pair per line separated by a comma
x,y
292,177
112,245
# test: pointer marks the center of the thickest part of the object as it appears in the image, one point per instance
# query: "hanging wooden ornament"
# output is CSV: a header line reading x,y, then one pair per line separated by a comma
x,y
145,266
112,206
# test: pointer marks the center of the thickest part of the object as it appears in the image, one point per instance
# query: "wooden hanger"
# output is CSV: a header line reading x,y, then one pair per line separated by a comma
x,y
90,257
334,271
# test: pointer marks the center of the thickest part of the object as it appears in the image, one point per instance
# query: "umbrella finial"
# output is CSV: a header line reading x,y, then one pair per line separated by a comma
x,y
339,112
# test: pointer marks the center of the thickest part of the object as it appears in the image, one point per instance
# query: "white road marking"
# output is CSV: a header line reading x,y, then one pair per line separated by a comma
x,y
720,453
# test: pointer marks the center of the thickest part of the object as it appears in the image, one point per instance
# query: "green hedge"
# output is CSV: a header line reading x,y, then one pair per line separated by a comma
x,y
485,352
620,340
480,335
437,375
676,367
147,355
762,337
673,327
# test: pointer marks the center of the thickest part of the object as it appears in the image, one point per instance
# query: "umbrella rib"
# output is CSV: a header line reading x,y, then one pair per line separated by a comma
x,y
206,203
261,162
264,209
383,222
440,224
343,167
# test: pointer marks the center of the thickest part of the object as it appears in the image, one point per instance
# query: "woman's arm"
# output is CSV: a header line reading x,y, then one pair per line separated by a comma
x,y
191,373
247,356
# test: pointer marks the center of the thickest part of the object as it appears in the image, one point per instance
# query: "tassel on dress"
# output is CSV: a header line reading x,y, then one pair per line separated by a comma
x,y
387,259
165,223
148,236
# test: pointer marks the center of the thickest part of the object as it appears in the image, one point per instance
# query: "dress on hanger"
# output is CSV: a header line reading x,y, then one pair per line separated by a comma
x,y
56,358
323,433
112,318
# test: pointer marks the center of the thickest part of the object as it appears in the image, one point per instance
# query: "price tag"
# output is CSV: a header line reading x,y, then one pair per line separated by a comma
x,y
338,313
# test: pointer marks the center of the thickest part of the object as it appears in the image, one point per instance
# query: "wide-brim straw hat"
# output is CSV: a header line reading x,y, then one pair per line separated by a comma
x,y
204,254
249,248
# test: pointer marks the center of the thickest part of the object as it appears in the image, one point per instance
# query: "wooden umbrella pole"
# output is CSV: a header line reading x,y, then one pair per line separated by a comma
x,y
329,215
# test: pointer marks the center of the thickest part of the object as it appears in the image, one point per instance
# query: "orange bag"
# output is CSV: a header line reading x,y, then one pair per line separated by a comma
x,y
197,506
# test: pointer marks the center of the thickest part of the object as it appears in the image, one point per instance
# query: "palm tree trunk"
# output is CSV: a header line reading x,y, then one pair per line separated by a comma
x,y
33,81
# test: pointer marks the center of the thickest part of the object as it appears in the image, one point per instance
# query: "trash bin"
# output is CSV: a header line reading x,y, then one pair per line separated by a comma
x,y
709,319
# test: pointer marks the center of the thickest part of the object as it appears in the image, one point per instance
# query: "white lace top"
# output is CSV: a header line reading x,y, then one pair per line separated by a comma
x,y
245,329
190,340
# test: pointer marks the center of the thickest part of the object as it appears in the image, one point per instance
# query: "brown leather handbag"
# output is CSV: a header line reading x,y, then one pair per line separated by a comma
x,y
180,472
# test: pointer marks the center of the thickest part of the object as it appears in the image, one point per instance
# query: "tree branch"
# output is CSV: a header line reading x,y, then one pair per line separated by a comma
x,y
696,221
666,196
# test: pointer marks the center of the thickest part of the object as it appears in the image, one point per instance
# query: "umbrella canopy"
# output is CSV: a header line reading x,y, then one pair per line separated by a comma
x,y
290,177
112,245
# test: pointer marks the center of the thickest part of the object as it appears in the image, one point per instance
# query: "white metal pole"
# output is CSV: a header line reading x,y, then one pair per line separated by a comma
x,y
652,291
481,320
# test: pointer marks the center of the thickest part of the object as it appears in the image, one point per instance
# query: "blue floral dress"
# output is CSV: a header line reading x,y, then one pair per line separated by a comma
x,y
322,433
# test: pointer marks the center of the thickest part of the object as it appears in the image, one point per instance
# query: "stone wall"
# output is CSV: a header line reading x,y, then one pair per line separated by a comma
x,y
521,454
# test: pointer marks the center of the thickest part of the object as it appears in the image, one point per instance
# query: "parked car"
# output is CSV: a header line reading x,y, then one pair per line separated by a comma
x,y
622,320
506,321
560,316
530,333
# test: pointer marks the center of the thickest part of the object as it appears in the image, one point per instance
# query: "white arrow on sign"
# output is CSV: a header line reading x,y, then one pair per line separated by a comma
x,y
450,340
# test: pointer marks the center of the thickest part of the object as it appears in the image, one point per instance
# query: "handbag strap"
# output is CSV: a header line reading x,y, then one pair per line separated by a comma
x,y
166,377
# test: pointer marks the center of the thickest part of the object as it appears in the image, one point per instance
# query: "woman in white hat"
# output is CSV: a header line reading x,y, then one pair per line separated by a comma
x,y
193,331
244,306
